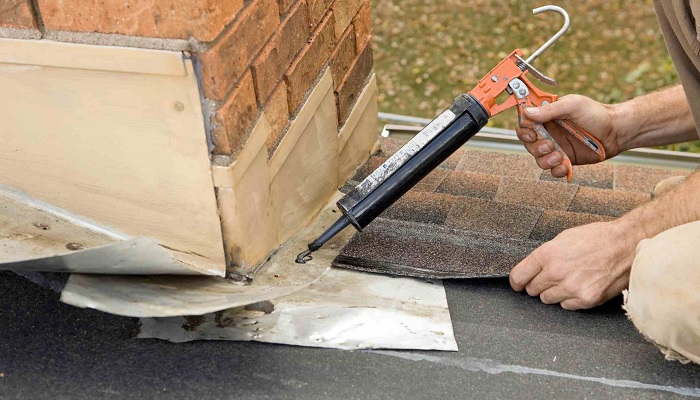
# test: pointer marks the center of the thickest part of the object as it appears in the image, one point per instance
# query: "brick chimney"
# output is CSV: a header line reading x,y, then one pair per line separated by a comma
x,y
287,90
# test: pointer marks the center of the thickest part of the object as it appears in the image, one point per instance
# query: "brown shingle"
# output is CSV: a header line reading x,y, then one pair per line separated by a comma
x,y
526,192
553,222
501,164
390,146
488,214
419,206
490,217
431,181
470,184
368,167
599,175
612,203
642,179
431,251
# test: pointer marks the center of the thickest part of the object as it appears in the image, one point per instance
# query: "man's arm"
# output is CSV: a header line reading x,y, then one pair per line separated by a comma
x,y
654,119
588,265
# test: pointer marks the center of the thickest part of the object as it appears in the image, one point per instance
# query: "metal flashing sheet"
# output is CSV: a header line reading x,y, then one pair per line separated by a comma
x,y
342,309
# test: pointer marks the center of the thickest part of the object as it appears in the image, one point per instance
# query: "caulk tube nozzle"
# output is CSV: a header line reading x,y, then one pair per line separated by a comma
x,y
333,230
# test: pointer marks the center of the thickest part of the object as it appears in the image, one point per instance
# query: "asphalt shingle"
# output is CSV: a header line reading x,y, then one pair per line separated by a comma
x,y
599,176
432,251
500,164
548,195
553,222
470,184
606,202
641,179
487,214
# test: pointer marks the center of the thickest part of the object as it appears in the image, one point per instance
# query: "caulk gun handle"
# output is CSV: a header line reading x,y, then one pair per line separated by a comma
x,y
583,136
542,133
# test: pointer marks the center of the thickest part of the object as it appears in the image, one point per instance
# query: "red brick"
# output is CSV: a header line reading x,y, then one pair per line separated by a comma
x,y
284,6
235,118
353,83
277,113
317,10
344,12
225,62
279,53
363,26
16,14
176,19
343,56
308,64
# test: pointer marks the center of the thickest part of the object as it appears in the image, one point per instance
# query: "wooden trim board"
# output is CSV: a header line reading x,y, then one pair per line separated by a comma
x,y
367,95
46,53
119,142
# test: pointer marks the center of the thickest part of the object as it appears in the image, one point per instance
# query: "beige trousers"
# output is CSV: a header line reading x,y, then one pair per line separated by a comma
x,y
663,299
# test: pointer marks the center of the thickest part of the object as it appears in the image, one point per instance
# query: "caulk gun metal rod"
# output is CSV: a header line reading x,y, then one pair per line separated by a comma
x,y
554,38
420,164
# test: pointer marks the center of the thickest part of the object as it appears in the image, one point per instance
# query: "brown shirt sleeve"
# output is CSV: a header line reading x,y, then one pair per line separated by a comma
x,y
681,32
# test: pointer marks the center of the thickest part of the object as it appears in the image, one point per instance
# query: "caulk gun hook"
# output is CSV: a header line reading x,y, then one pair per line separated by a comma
x,y
304,256
554,38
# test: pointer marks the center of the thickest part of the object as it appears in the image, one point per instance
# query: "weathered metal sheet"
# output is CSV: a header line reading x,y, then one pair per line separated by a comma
x,y
344,310
341,309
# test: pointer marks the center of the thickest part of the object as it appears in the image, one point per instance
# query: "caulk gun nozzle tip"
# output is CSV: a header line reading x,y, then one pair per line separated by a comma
x,y
304,256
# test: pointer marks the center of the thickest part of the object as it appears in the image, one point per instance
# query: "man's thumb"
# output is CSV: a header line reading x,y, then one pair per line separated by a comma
x,y
545,113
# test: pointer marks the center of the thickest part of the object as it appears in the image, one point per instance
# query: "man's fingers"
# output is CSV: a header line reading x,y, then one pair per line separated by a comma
x,y
573,304
550,160
554,295
523,273
526,135
539,148
540,283
560,171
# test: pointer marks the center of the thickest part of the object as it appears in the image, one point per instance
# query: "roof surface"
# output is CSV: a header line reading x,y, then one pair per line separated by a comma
x,y
511,347
481,212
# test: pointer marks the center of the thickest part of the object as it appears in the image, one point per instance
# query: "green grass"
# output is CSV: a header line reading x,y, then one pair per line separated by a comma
x,y
426,52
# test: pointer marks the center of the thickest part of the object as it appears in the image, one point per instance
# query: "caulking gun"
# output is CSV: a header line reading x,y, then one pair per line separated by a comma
x,y
451,129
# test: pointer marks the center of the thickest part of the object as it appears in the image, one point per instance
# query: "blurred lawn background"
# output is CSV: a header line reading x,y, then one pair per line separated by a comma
x,y
426,52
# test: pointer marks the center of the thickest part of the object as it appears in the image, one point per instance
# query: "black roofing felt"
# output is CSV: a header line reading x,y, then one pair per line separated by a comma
x,y
481,215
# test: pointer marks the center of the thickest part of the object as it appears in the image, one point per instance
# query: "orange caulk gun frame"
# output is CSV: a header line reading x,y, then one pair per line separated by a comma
x,y
510,76
467,114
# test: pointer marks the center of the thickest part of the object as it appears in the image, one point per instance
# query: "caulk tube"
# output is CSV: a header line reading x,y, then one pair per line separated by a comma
x,y
419,165
392,186
408,150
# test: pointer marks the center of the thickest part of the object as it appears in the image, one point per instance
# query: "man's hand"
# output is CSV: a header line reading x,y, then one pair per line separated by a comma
x,y
582,267
588,265
592,116
651,120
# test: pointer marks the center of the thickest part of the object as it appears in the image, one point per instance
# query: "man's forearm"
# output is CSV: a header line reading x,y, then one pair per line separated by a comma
x,y
654,119
677,207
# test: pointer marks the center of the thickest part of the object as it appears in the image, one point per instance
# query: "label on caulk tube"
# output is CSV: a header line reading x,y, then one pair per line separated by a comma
x,y
398,159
